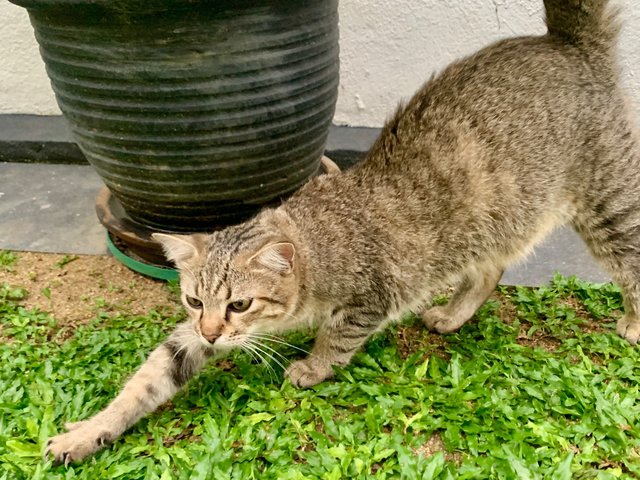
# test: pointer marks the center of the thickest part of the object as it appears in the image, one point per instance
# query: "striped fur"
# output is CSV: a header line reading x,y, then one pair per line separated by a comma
x,y
480,165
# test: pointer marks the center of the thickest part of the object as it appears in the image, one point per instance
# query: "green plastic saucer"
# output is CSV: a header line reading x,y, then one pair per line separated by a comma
x,y
147,269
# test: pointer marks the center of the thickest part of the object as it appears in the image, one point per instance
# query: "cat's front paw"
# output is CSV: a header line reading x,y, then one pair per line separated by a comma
x,y
82,439
438,319
307,373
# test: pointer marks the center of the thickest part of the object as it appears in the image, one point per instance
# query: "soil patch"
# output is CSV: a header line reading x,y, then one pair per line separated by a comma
x,y
416,338
74,288
435,445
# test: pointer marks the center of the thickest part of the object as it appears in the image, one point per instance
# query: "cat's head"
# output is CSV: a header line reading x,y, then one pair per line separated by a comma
x,y
237,283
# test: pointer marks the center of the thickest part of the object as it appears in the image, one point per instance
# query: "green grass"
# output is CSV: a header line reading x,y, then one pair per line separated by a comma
x,y
7,260
551,392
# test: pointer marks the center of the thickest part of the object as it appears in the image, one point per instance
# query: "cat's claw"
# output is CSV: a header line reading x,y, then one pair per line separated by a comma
x,y
629,328
307,373
80,441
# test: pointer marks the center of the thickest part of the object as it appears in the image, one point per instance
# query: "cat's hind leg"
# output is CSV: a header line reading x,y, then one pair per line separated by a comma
x,y
475,287
612,232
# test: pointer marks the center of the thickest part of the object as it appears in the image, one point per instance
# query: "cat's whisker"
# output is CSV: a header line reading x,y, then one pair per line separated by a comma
x,y
275,352
263,354
267,335
267,354
249,348
244,348
272,338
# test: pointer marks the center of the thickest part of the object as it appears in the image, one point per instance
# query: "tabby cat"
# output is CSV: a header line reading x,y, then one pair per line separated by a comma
x,y
480,165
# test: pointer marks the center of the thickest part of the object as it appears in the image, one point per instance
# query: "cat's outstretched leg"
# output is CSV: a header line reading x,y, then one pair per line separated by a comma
x,y
336,342
167,369
474,289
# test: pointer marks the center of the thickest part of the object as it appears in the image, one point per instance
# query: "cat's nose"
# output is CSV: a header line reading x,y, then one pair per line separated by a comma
x,y
211,338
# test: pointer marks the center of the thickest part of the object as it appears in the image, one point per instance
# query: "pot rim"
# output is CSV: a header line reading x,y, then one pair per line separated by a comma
x,y
150,6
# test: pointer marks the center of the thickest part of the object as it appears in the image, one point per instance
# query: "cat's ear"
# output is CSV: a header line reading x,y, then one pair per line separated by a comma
x,y
278,257
180,248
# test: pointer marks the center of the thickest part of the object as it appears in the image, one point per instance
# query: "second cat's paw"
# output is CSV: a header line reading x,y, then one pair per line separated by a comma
x,y
306,373
438,319
82,439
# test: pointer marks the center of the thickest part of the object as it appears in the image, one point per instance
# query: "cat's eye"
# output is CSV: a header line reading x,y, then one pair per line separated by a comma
x,y
194,302
240,306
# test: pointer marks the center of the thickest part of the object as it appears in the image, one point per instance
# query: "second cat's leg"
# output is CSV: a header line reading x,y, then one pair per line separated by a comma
x,y
475,288
166,370
337,341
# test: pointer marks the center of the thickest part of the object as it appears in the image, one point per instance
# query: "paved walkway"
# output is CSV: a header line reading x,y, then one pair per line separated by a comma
x,y
50,208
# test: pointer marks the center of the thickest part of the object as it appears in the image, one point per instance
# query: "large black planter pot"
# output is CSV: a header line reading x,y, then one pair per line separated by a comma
x,y
194,112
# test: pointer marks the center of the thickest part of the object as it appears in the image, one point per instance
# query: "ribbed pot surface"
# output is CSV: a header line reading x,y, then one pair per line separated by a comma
x,y
198,113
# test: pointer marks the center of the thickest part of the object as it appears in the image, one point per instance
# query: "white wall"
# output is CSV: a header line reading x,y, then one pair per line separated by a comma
x,y
24,86
388,49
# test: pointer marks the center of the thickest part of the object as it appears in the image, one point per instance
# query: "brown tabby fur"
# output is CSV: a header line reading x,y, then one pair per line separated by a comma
x,y
483,162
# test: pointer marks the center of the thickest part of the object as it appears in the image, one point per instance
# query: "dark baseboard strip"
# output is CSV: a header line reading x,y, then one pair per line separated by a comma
x,y
41,152
48,139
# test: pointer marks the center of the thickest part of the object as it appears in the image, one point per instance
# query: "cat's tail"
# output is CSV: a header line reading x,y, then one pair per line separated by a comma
x,y
588,24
